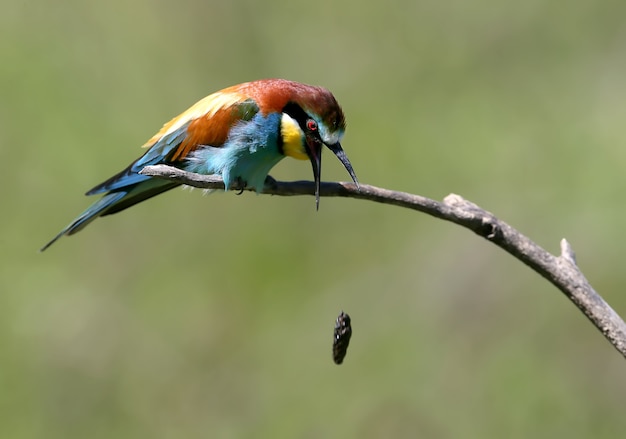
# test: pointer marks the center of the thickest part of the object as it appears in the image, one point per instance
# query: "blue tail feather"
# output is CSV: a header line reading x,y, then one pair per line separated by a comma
x,y
114,202
124,179
158,153
88,216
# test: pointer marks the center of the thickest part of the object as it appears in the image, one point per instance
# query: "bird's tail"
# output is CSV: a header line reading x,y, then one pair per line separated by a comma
x,y
113,202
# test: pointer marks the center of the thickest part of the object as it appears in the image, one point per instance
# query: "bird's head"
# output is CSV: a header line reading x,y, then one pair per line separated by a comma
x,y
308,123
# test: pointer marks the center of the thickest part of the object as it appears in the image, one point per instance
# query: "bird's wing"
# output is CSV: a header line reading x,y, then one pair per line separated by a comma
x,y
206,123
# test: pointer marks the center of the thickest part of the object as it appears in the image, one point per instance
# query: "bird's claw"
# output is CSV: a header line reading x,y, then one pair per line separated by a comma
x,y
239,185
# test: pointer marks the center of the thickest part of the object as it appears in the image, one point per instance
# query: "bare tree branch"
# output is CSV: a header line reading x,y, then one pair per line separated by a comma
x,y
561,270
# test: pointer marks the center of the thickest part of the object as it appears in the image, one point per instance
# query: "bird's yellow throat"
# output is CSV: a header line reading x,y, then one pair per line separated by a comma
x,y
292,138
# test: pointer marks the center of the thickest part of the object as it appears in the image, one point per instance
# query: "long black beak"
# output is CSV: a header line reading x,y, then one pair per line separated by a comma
x,y
316,161
315,154
343,158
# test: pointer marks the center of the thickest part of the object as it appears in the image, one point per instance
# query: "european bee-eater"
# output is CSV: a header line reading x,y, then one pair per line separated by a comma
x,y
239,133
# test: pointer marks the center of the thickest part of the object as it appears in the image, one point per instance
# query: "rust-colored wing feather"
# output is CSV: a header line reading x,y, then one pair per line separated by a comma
x,y
207,122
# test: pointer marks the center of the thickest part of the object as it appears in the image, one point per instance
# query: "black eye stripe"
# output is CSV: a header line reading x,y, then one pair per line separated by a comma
x,y
298,114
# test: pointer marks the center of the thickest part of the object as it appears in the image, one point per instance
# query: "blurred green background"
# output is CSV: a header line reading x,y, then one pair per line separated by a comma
x,y
212,317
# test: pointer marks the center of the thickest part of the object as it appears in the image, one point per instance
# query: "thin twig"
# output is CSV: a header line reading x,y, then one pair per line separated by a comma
x,y
561,270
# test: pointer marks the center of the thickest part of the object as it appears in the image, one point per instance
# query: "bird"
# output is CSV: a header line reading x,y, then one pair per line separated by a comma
x,y
239,133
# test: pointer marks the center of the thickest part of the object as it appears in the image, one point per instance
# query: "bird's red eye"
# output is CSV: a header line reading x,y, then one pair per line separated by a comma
x,y
311,125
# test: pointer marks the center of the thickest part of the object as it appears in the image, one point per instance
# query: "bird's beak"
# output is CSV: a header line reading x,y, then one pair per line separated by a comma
x,y
315,154
343,158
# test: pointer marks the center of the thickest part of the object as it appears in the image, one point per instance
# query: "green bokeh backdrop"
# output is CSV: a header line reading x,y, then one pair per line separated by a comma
x,y
211,317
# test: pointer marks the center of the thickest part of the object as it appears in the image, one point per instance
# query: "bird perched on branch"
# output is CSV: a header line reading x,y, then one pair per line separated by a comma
x,y
240,133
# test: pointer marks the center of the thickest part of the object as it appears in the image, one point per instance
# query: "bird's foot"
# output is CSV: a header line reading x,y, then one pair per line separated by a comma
x,y
239,185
